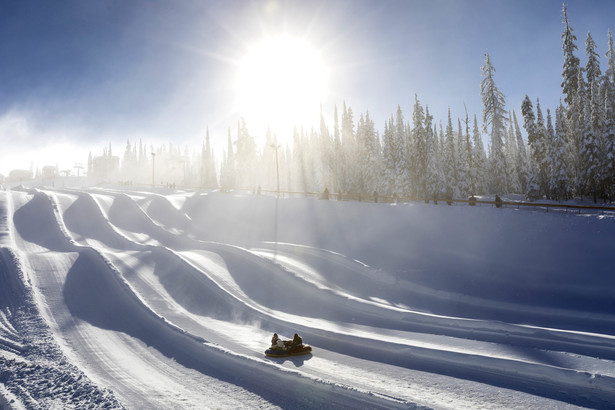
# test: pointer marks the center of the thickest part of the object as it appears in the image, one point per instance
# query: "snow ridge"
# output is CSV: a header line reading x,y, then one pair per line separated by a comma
x,y
184,291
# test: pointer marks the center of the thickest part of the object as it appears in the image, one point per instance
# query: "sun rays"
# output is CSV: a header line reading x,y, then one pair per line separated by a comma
x,y
281,82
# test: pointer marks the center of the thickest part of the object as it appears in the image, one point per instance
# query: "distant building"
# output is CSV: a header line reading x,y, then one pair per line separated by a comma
x,y
106,167
19,175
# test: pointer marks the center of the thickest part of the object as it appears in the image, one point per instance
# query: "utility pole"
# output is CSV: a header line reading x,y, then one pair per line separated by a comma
x,y
153,167
275,146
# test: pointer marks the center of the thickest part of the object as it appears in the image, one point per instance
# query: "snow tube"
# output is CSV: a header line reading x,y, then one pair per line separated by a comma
x,y
291,351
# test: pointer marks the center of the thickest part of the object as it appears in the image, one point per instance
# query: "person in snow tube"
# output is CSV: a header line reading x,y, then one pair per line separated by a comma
x,y
297,341
277,343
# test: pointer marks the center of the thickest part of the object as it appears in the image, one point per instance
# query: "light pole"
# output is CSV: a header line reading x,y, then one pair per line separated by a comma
x,y
275,146
153,167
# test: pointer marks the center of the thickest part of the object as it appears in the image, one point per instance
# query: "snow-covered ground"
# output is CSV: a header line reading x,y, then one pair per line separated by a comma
x,y
134,299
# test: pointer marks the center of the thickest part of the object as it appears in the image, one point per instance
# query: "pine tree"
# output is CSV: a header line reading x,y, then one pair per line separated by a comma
x,y
578,126
368,167
609,75
393,154
480,160
542,143
432,168
571,62
326,154
338,159
388,157
494,117
558,173
420,148
592,68
463,154
521,160
245,157
301,175
549,150
402,182
610,54
127,162
608,102
535,135
514,185
350,154
609,147
471,160
227,172
450,160
589,153
441,161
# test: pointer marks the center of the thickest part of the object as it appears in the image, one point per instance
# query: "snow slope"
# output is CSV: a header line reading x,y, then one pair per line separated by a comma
x,y
136,299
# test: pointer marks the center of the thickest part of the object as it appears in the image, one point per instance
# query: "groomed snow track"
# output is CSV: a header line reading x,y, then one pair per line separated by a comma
x,y
169,301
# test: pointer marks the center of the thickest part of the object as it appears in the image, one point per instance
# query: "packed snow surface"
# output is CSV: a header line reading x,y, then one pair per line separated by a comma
x,y
112,298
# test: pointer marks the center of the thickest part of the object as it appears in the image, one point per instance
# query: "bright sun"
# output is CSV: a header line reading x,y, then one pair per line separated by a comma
x,y
281,82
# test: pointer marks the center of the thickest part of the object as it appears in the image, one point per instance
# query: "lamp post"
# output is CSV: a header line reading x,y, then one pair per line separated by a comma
x,y
153,167
275,146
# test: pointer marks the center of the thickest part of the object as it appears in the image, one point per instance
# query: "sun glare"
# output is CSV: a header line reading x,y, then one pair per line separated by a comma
x,y
281,82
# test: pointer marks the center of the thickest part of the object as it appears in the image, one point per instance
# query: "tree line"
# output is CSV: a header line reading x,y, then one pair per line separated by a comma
x,y
567,154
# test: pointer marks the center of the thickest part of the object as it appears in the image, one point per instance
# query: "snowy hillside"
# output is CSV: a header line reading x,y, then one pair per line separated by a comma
x,y
134,299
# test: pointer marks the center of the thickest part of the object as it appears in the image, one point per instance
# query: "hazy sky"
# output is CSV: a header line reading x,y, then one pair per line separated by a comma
x,y
76,75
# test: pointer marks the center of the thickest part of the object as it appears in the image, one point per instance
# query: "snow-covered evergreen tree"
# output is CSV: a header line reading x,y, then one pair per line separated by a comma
x,y
609,75
402,137
349,152
128,168
558,173
549,141
463,158
368,166
480,160
419,138
449,159
571,62
393,154
338,159
592,67
535,136
590,147
542,148
245,157
326,154
522,163
227,171
510,149
609,148
388,157
433,175
494,124
576,130
301,180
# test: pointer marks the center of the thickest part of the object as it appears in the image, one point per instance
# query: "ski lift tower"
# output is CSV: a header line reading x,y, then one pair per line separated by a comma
x,y
78,167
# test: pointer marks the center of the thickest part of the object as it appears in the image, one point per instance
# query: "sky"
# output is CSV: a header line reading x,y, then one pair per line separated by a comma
x,y
76,76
